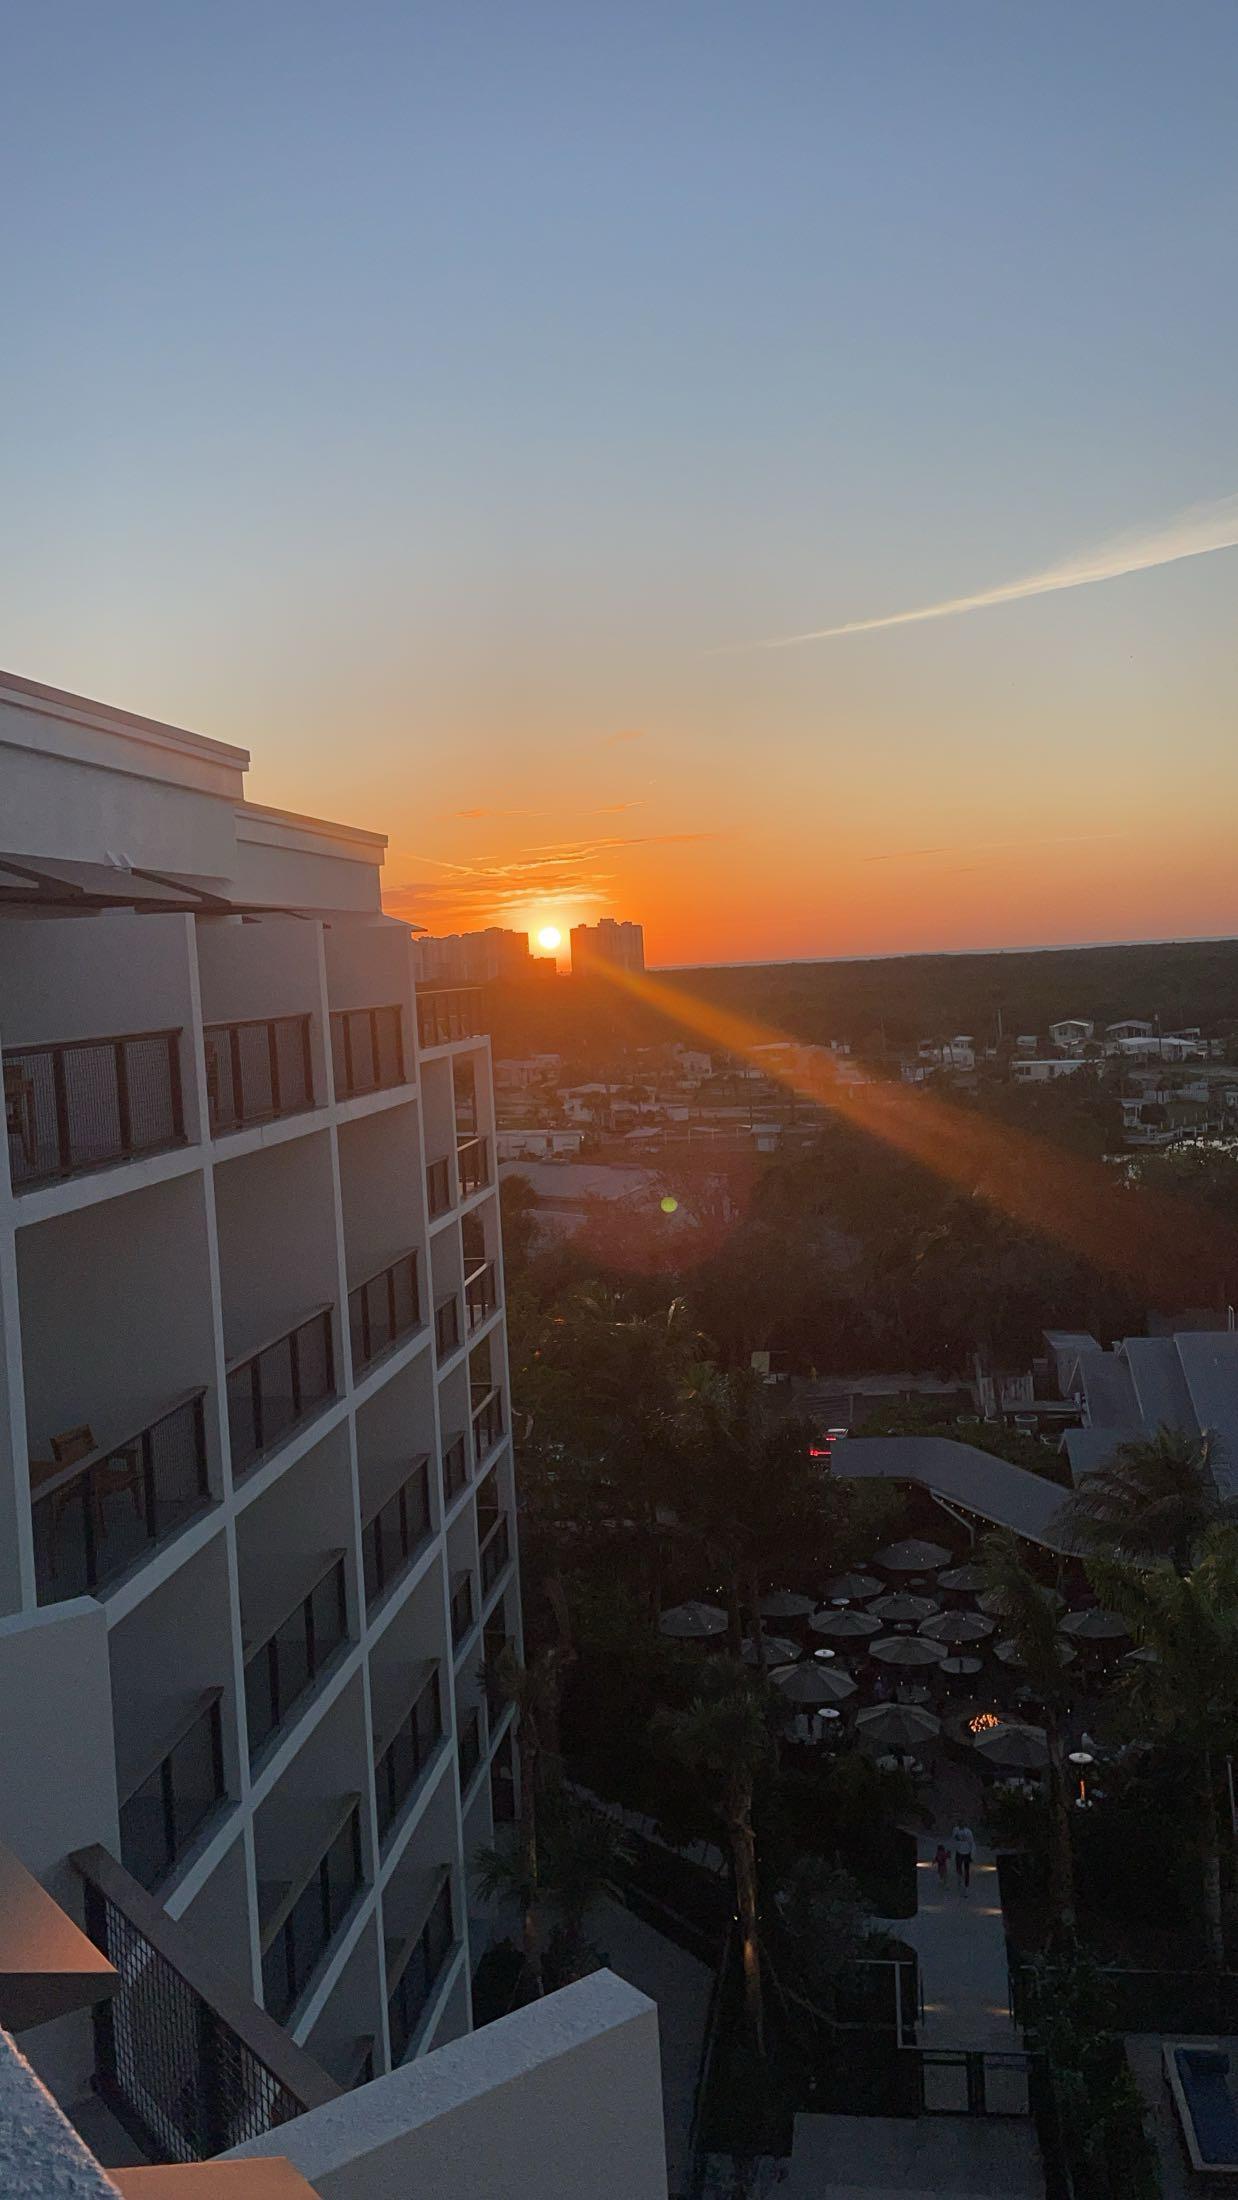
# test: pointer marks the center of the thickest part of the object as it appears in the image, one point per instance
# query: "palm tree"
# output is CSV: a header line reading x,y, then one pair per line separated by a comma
x,y
577,1855
725,1733
753,1494
1154,1499
1188,1694
1031,1620
515,1871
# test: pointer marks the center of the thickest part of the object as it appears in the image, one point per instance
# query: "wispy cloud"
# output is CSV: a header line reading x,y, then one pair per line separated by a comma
x,y
621,739
1192,534
616,809
986,847
561,873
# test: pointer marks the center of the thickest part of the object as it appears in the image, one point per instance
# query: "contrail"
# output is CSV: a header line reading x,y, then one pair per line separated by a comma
x,y
1202,527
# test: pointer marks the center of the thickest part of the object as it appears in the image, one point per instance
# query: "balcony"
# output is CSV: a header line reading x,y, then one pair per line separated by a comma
x,y
390,1538
403,1747
440,1195
468,1744
300,1916
455,1468
473,1165
187,2070
305,1624
98,1512
89,1103
413,1968
447,1336
462,1611
496,1549
496,1645
487,1405
446,1014
282,1383
481,1294
367,1050
171,1802
382,1310
257,1070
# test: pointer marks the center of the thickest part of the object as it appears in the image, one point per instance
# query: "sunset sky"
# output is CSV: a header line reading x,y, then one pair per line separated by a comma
x,y
451,400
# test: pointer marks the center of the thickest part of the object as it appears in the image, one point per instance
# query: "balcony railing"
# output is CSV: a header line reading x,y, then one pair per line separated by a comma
x,y
386,1307
186,2062
413,1969
304,1913
496,1550
448,1013
461,1609
468,1744
487,1420
455,1468
88,1103
446,1327
283,1666
257,1070
367,1050
440,1192
389,1539
473,1164
95,1516
404,1755
282,1383
171,1801
481,1294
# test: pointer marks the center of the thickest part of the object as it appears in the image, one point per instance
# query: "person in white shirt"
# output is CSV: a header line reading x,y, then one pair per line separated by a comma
x,y
963,1841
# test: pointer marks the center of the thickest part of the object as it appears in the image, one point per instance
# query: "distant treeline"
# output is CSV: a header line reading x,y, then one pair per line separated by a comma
x,y
897,1001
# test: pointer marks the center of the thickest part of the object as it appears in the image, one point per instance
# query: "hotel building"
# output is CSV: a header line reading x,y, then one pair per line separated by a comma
x,y
257,1526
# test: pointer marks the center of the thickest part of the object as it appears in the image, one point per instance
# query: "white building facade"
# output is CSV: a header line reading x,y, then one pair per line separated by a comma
x,y
257,1514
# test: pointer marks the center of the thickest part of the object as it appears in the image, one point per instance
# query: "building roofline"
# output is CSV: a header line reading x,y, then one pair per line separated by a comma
x,y
330,828
106,717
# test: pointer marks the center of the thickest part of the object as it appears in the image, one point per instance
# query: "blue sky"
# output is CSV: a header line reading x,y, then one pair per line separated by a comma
x,y
424,395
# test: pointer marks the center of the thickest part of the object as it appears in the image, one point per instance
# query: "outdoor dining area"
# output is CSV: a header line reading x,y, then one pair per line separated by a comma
x,y
907,1655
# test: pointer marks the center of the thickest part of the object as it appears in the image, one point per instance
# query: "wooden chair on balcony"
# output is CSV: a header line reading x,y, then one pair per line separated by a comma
x,y
19,1115
120,1472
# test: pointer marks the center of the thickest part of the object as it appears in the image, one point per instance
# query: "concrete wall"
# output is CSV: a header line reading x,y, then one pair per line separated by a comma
x,y
556,2102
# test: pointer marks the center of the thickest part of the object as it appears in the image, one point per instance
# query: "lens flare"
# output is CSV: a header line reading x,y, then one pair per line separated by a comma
x,y
669,1205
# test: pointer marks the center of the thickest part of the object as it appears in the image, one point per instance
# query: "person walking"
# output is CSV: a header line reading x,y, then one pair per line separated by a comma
x,y
942,1859
964,1842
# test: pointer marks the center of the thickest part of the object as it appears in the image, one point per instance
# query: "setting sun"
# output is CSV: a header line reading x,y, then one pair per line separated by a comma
x,y
550,937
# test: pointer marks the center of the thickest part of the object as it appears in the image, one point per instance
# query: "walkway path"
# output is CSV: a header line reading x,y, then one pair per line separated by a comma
x,y
961,1943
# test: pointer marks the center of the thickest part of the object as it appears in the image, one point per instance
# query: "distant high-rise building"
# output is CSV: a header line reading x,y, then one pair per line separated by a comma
x,y
607,942
473,958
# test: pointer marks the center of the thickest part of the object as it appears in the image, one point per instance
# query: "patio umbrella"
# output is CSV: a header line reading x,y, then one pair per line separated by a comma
x,y
906,1650
958,1668
1144,1655
957,1627
897,1725
995,1604
912,1557
900,1607
1012,1744
693,1622
1094,1625
851,1588
786,1604
969,1576
844,1624
1010,1654
778,1650
813,1684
